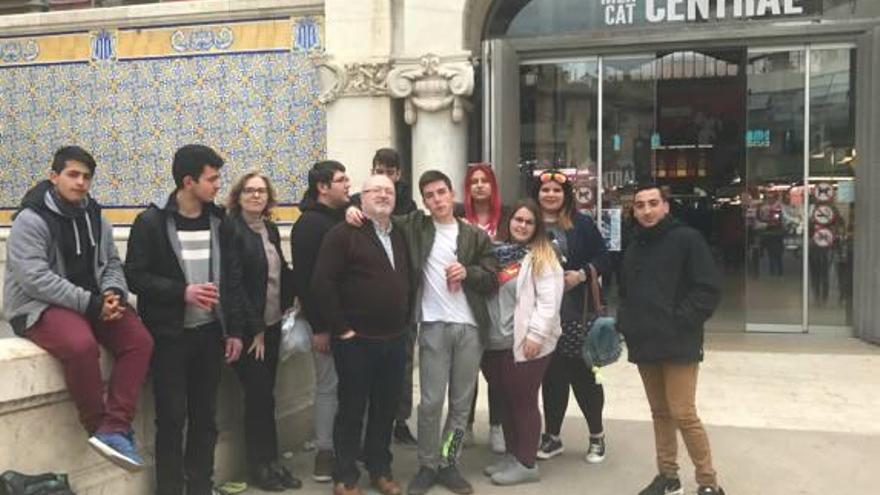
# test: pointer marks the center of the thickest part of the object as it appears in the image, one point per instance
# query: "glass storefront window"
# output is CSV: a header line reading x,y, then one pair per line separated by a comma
x,y
774,196
559,121
831,215
755,147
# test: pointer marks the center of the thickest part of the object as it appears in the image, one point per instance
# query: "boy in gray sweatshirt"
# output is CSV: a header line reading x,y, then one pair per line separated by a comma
x,y
65,291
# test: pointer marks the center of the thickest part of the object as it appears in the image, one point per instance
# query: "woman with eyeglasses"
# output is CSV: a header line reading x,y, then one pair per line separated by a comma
x,y
255,292
524,330
580,247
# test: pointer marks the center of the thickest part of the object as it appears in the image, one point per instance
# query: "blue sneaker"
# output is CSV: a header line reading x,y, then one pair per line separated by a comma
x,y
119,449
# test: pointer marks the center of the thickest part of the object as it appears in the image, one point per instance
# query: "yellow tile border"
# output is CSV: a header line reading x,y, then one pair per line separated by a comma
x,y
164,41
48,49
126,216
202,39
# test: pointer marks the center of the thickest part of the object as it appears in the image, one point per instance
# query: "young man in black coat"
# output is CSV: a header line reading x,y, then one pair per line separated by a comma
x,y
173,265
669,288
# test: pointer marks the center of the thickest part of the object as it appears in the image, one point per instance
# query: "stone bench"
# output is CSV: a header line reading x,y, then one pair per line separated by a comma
x,y
40,430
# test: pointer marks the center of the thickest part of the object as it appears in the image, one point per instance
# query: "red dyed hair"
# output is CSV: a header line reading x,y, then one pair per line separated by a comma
x,y
494,200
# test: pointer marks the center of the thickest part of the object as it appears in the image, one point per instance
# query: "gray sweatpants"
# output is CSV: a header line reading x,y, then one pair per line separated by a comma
x,y
449,353
326,401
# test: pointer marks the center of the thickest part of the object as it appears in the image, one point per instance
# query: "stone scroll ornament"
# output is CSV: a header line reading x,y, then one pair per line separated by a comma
x,y
432,85
355,79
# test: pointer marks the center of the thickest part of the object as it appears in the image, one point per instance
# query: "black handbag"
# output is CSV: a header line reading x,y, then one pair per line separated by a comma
x,y
574,333
14,483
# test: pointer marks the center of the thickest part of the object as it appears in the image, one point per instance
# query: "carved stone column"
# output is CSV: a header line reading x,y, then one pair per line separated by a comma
x,y
435,92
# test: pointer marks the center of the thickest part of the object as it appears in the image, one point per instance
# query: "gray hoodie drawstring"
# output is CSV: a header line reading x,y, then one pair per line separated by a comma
x,y
76,236
89,226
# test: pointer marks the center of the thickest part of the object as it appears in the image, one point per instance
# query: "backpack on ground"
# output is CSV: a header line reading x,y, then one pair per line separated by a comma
x,y
14,483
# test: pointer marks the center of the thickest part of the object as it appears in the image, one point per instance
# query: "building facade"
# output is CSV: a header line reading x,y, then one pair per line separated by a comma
x,y
760,116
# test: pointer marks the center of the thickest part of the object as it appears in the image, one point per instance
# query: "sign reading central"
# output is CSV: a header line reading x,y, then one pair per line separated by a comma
x,y
623,12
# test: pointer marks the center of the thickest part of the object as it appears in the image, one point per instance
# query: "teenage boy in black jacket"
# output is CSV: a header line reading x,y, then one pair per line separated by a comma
x,y
173,265
669,287
322,207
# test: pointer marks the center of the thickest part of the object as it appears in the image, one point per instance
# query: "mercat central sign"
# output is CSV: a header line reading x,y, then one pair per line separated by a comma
x,y
625,12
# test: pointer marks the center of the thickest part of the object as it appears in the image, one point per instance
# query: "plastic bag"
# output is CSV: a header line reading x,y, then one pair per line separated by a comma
x,y
296,334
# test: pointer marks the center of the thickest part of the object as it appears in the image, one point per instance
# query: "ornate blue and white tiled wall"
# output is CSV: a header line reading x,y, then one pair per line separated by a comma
x,y
133,96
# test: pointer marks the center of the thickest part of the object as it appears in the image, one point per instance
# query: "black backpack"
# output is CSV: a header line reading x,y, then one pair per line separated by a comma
x,y
14,483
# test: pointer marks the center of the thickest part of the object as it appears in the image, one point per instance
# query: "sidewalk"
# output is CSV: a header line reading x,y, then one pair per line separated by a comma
x,y
786,414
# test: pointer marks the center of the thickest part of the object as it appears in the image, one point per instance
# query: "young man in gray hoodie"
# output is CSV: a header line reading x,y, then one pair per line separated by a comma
x,y
65,290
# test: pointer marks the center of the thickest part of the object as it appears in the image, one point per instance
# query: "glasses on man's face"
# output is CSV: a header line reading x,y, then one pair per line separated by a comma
x,y
554,176
254,191
379,190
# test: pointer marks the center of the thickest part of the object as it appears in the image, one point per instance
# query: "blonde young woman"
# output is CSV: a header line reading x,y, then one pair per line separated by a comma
x,y
525,328
256,290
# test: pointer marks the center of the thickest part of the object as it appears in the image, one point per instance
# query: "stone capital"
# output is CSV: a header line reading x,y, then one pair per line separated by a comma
x,y
431,84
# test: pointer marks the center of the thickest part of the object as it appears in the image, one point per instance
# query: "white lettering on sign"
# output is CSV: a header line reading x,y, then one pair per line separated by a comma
x,y
620,12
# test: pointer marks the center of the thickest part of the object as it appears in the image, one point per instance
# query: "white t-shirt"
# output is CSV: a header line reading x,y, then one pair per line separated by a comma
x,y
438,303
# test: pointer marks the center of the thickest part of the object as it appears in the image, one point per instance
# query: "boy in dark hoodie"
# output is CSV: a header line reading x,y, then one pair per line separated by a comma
x,y
65,290
323,206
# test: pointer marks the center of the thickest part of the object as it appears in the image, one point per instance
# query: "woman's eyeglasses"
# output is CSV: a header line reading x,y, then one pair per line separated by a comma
x,y
554,176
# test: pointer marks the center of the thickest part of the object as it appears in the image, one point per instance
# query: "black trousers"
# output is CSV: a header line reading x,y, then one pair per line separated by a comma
x,y
186,374
370,372
405,407
564,373
258,382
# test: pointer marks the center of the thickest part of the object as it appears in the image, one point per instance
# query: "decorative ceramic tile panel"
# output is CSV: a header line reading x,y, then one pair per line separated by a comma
x,y
258,108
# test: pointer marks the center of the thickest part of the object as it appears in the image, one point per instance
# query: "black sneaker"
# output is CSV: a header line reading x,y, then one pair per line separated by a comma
x,y
422,481
596,451
550,447
663,486
451,478
708,490
403,435
324,463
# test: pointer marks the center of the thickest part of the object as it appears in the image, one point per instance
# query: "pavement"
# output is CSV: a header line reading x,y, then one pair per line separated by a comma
x,y
786,415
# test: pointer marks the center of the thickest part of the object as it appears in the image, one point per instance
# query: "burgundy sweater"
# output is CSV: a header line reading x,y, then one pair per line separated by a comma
x,y
355,286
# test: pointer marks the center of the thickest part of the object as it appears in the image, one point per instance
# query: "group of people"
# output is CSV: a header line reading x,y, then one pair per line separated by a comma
x,y
478,285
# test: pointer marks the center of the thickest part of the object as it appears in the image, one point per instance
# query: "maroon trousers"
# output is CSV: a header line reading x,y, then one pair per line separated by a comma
x,y
72,339
517,386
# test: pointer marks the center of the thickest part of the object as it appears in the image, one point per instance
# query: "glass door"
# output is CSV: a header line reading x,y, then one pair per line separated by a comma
x,y
774,198
831,199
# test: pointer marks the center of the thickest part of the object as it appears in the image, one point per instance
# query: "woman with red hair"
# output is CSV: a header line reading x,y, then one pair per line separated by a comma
x,y
482,207
482,200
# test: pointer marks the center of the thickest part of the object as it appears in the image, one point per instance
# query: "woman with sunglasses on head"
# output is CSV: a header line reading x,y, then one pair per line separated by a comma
x,y
524,330
582,251
255,292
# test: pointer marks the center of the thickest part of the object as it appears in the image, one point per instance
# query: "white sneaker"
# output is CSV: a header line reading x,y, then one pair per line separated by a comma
x,y
500,464
596,451
516,474
496,439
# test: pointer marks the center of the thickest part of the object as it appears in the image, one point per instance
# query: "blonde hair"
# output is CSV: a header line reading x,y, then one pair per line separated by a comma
x,y
543,256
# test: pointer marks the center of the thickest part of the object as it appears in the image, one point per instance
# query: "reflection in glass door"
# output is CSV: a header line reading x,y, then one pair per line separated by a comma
x,y
774,198
831,198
